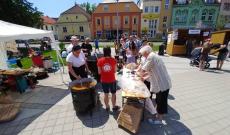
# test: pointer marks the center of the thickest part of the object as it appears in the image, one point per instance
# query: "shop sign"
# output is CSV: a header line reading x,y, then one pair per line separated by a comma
x,y
205,34
194,32
151,16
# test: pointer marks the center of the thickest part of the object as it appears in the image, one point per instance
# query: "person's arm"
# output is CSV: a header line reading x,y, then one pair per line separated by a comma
x,y
99,70
70,68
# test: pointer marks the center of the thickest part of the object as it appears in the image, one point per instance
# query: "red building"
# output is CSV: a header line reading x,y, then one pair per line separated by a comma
x,y
105,22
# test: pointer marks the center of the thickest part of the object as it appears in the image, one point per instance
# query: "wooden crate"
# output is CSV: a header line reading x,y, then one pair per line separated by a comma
x,y
130,117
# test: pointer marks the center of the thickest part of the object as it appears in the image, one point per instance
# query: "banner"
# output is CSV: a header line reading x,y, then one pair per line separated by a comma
x,y
194,32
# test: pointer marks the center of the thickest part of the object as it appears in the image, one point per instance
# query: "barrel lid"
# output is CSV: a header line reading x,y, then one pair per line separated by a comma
x,y
84,86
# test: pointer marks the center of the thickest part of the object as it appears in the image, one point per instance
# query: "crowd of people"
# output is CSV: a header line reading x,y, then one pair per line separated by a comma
x,y
151,68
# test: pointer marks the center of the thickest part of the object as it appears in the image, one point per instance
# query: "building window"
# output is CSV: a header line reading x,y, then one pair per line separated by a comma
x,y
81,29
226,7
156,9
127,7
64,29
167,2
210,16
194,16
46,27
203,16
76,17
145,20
210,1
116,20
106,8
126,20
98,22
146,9
106,21
67,18
164,25
181,1
185,15
178,16
42,27
152,9
165,19
52,28
135,21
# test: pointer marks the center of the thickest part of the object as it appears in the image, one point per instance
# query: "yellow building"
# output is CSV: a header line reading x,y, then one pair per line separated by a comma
x,y
150,17
165,17
74,21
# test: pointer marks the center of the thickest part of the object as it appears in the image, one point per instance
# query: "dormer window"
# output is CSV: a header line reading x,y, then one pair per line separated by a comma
x,y
126,7
106,8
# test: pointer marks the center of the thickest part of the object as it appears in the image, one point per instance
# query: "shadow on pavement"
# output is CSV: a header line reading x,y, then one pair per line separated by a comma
x,y
171,126
34,103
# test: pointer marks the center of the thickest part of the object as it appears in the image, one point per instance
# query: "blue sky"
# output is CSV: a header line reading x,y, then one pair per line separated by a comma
x,y
54,8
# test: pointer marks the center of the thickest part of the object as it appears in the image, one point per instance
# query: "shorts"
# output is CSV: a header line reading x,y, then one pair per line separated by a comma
x,y
162,102
109,87
222,56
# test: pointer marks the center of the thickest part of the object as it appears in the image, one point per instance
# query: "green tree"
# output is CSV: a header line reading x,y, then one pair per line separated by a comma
x,y
90,8
20,12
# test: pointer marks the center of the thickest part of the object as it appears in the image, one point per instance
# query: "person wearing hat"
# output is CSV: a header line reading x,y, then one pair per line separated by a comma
x,y
74,41
77,64
87,47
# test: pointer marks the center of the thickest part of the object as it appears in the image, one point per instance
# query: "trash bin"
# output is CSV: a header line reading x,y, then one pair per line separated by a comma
x,y
84,98
161,49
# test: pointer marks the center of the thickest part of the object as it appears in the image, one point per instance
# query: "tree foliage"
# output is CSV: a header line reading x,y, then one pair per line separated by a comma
x,y
20,12
90,8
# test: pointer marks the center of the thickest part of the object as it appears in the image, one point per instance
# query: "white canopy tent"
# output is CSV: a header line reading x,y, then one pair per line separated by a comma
x,y
10,31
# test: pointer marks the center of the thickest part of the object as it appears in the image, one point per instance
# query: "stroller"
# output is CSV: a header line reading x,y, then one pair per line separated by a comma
x,y
195,59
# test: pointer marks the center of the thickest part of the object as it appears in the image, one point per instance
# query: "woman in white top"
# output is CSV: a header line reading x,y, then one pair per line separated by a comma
x,y
77,64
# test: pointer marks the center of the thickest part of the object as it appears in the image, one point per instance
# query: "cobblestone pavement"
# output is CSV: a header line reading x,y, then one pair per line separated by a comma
x,y
198,104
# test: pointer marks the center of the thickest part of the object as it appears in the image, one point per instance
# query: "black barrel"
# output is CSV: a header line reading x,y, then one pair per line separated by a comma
x,y
84,100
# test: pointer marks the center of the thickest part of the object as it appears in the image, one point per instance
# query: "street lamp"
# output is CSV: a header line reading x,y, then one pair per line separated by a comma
x,y
117,20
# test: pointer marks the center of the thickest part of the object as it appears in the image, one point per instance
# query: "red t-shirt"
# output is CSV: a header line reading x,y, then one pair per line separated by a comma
x,y
107,66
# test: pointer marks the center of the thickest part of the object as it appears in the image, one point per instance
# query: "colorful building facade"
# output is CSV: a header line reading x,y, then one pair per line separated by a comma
x,y
224,15
74,21
150,17
105,21
191,14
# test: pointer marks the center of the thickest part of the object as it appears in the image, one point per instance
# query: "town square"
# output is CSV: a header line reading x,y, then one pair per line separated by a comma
x,y
145,67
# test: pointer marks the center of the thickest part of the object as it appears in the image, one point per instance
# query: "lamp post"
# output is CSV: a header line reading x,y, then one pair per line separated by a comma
x,y
117,21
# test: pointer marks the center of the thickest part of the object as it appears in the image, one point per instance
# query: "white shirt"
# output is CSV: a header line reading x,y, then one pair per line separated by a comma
x,y
76,61
159,77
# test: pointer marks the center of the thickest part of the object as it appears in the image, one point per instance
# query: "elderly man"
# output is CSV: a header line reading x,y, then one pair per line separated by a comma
x,y
160,82
74,41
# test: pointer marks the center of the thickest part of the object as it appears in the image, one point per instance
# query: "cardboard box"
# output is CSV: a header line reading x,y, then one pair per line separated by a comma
x,y
130,117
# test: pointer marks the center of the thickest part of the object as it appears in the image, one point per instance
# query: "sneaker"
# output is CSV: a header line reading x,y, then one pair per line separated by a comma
x,y
155,122
116,108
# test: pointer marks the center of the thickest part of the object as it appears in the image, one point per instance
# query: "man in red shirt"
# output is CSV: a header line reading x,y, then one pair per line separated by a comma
x,y
107,69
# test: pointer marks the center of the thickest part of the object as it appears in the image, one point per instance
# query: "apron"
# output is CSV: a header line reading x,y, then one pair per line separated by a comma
x,y
78,71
